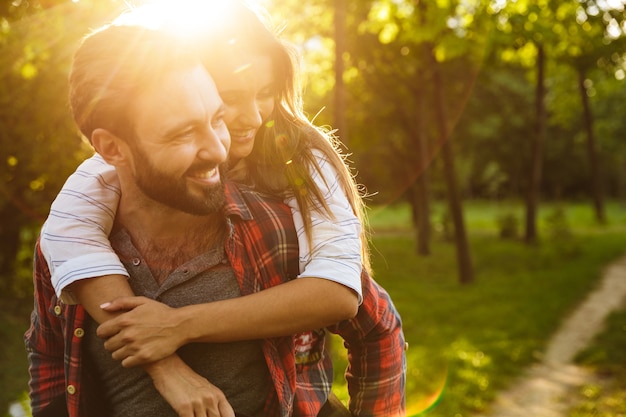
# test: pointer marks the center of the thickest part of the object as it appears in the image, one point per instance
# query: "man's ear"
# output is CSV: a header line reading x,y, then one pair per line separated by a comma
x,y
109,146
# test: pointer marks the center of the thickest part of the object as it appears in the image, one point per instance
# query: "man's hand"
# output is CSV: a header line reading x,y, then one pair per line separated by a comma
x,y
146,333
189,394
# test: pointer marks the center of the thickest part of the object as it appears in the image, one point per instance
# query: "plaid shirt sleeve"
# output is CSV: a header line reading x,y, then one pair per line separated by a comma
x,y
45,353
376,372
263,253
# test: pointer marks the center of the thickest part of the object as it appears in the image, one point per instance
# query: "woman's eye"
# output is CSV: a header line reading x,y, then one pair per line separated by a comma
x,y
266,93
229,99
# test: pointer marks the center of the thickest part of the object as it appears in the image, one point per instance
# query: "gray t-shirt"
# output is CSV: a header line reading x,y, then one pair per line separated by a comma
x,y
238,369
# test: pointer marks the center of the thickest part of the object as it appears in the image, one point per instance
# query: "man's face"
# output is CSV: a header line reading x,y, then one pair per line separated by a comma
x,y
180,142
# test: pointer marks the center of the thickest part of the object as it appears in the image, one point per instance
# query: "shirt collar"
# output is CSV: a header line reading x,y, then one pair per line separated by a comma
x,y
236,204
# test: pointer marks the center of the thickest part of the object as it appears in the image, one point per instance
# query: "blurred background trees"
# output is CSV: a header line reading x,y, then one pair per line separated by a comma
x,y
437,100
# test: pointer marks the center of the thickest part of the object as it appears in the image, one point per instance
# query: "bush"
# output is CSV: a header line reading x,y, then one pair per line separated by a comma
x,y
508,226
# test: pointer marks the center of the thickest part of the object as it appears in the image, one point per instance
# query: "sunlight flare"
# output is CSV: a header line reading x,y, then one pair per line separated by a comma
x,y
185,18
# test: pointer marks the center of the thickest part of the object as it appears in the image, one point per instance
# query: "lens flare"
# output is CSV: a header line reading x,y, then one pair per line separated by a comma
x,y
421,398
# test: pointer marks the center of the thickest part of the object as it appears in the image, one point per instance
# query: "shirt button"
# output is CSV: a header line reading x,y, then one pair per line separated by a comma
x,y
71,389
57,310
79,332
136,261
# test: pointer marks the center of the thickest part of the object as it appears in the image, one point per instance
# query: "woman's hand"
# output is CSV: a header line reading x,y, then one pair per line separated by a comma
x,y
147,332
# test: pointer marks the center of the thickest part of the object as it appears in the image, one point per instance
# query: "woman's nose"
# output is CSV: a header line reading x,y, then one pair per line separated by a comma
x,y
251,114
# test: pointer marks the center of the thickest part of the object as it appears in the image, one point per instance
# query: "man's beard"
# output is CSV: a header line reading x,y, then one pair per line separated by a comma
x,y
174,192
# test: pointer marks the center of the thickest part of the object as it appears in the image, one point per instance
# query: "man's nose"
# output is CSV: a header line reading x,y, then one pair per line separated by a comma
x,y
213,147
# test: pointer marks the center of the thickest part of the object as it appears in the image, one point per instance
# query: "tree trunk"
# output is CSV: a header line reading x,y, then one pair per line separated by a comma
x,y
464,261
532,198
592,153
418,193
340,89
421,188
422,206
10,238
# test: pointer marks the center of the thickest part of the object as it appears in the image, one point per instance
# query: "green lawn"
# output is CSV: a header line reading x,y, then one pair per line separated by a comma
x,y
466,342
13,363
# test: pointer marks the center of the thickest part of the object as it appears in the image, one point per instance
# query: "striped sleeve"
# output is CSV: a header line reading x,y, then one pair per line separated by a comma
x,y
335,253
75,236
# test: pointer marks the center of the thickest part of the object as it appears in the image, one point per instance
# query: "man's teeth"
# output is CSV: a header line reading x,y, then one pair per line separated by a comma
x,y
206,174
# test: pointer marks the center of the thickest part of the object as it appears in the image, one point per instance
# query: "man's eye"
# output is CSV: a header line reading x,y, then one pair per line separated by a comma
x,y
219,121
184,133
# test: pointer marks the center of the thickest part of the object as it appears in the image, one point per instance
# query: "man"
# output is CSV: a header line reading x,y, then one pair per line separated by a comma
x,y
161,126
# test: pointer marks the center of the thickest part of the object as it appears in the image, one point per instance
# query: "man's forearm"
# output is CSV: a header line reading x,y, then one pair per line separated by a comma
x,y
93,292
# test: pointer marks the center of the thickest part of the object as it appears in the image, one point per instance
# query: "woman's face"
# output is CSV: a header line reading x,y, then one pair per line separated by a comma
x,y
247,86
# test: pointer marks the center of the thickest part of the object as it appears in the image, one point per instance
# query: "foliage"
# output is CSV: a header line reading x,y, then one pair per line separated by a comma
x,y
558,226
487,51
39,146
509,225
600,401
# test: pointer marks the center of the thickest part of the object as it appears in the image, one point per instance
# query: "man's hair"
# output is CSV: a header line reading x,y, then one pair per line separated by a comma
x,y
112,66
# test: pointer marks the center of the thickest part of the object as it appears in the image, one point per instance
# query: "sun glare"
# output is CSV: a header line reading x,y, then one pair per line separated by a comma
x,y
186,18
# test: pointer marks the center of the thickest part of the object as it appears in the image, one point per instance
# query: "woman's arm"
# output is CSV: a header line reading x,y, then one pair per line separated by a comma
x,y
75,237
335,250
152,330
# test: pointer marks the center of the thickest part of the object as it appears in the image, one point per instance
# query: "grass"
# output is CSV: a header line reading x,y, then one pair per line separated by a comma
x,y
466,341
13,362
607,356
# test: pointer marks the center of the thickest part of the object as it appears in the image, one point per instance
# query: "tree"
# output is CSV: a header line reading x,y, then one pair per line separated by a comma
x,y
538,139
509,60
340,89
464,262
590,33
39,145
561,32
444,35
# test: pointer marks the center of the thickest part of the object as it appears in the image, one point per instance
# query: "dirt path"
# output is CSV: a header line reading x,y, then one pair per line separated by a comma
x,y
548,389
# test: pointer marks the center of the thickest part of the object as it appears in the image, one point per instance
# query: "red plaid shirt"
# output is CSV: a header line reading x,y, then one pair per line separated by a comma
x,y
263,252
